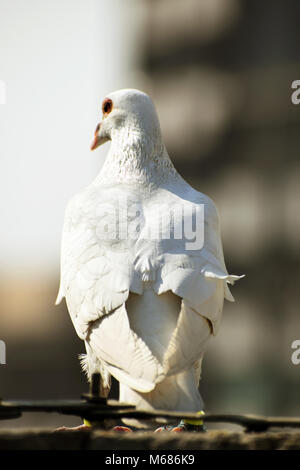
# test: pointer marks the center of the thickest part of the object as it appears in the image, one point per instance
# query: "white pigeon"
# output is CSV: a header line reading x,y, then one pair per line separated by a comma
x,y
145,305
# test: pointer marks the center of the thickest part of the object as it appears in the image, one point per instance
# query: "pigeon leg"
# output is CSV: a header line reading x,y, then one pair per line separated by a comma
x,y
186,425
88,425
81,427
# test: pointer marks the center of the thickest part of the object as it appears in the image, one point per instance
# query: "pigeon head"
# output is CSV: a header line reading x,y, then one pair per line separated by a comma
x,y
124,113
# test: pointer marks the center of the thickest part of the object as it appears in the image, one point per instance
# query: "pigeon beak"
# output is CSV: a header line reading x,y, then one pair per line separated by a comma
x,y
98,138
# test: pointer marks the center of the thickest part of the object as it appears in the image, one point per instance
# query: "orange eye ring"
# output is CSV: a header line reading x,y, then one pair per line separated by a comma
x,y
107,106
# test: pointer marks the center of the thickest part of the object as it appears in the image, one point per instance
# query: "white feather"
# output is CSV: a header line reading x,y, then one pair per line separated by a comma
x,y
145,307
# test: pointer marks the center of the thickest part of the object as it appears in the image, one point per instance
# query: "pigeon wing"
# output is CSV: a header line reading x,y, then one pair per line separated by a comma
x,y
96,276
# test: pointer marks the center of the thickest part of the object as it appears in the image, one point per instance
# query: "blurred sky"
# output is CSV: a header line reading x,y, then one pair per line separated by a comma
x,y
58,60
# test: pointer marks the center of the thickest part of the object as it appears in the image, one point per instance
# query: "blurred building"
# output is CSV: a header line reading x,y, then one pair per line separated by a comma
x,y
220,72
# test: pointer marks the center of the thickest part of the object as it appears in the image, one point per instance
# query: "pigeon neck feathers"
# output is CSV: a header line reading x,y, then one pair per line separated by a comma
x,y
136,156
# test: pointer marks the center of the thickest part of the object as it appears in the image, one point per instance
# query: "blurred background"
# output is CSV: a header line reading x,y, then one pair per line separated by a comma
x,y
220,73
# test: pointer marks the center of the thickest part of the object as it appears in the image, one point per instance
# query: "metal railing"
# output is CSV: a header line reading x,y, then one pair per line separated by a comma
x,y
97,409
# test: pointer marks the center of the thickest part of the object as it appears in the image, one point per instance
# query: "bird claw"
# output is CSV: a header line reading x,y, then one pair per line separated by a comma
x,y
182,427
82,427
122,429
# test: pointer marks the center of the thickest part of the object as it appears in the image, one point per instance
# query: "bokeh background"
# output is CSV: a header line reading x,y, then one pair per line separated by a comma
x,y
220,73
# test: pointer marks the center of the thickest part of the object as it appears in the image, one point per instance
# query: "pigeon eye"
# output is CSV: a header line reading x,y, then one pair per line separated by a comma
x,y
107,106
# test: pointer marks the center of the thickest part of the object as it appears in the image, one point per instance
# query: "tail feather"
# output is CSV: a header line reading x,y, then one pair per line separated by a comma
x,y
175,393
